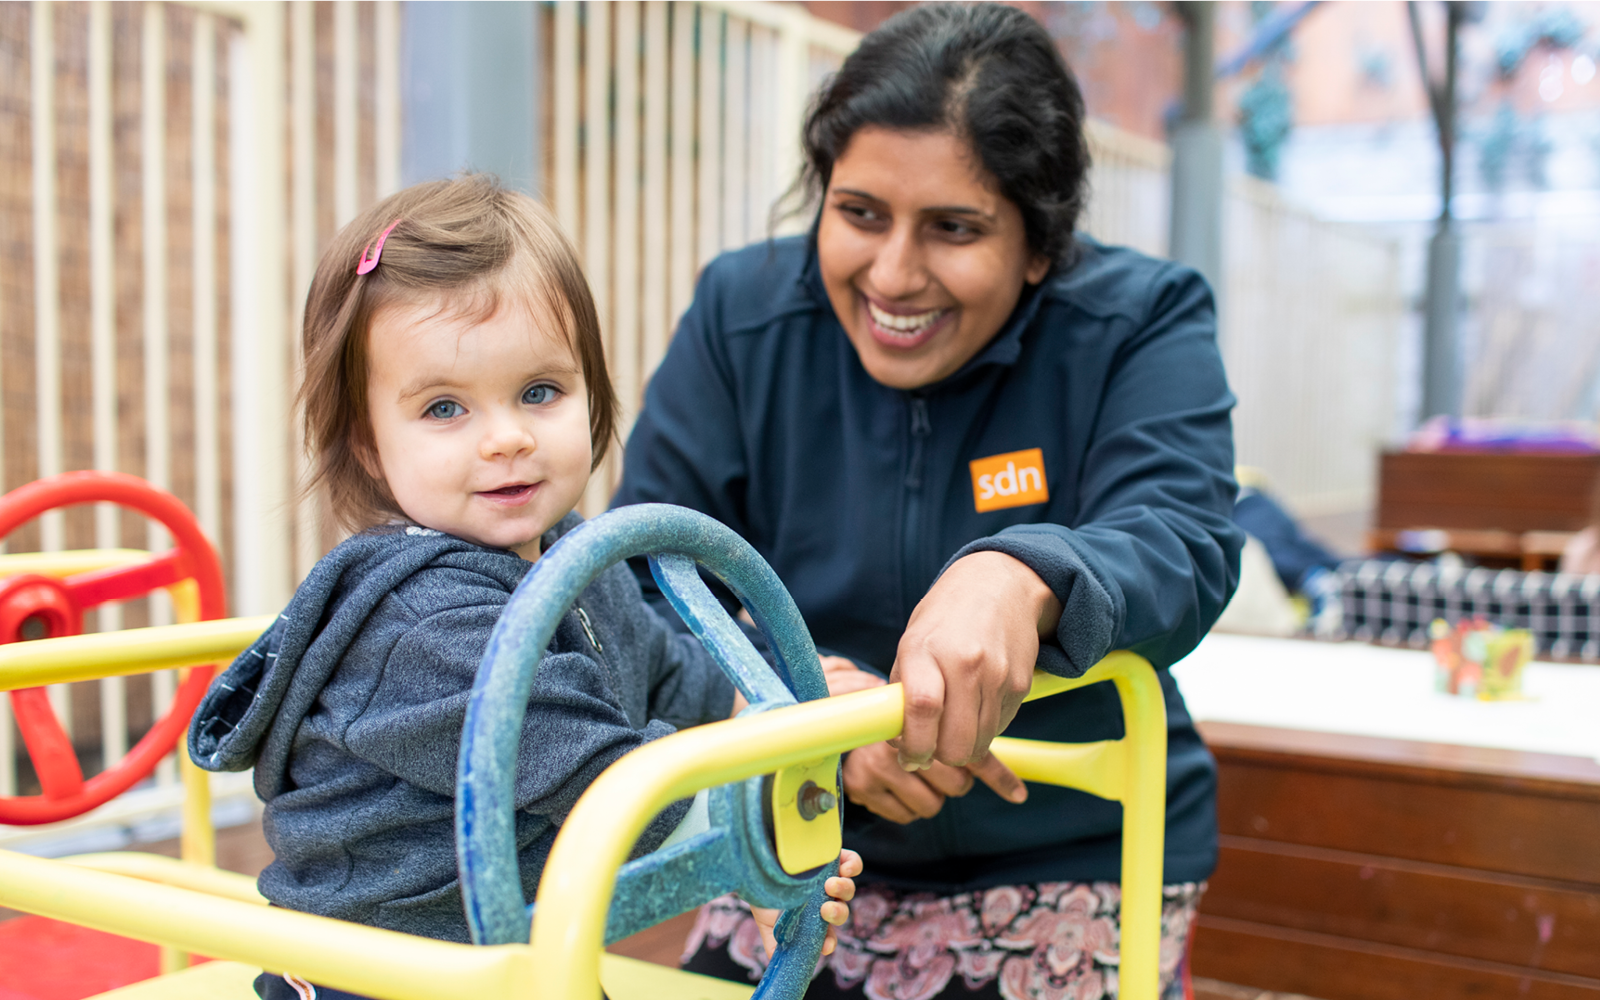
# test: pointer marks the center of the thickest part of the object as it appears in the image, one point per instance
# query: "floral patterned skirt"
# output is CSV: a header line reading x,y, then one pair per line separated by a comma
x,y
1050,941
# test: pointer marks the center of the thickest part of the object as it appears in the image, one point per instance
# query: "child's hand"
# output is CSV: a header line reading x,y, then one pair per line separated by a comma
x,y
835,912
844,677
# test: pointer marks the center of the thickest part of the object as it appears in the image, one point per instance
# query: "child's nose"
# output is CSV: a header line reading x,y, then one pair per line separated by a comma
x,y
506,436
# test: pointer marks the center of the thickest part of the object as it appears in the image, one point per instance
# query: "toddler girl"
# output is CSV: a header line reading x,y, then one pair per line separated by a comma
x,y
456,401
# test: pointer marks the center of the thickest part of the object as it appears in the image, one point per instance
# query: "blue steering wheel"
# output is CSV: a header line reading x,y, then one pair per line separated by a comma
x,y
737,853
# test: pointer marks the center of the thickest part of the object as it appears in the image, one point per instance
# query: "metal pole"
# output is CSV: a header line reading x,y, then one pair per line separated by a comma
x,y
1197,154
1441,347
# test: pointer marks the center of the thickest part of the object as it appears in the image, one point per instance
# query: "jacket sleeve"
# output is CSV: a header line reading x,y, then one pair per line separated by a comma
x,y
1154,555
574,728
686,447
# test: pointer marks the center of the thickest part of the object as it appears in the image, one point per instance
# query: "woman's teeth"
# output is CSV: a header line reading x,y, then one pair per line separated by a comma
x,y
904,324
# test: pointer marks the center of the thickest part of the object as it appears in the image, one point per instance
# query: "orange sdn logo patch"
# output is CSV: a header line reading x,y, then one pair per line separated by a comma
x,y
1015,479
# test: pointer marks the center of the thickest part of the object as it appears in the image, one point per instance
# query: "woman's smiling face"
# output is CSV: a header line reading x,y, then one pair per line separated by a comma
x,y
922,256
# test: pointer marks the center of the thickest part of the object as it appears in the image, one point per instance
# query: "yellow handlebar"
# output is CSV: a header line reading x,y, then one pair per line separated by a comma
x,y
575,892
134,651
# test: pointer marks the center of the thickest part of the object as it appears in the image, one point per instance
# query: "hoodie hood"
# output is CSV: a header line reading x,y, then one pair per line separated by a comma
x,y
250,715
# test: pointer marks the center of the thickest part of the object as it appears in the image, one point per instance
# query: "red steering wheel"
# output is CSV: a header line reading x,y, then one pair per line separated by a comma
x,y
56,606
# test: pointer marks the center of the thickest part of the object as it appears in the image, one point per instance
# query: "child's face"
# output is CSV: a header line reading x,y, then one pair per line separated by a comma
x,y
482,428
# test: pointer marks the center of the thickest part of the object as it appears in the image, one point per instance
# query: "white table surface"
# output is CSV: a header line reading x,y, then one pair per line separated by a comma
x,y
1365,690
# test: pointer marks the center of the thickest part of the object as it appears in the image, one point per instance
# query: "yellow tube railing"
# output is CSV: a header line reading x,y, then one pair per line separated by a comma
x,y
134,651
342,955
576,889
191,643
216,919
173,872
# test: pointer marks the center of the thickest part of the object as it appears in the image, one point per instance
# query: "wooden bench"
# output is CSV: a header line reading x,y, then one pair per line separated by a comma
x,y
1503,508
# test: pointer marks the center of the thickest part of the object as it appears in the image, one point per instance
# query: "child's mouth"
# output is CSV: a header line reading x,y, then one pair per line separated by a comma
x,y
513,494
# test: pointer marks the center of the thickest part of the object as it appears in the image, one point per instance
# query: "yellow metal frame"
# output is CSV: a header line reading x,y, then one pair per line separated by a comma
x,y
107,654
166,902
800,843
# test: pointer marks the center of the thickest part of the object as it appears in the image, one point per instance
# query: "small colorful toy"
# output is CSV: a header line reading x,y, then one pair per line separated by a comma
x,y
1479,660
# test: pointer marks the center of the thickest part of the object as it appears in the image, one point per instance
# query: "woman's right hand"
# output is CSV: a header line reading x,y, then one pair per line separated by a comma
x,y
874,779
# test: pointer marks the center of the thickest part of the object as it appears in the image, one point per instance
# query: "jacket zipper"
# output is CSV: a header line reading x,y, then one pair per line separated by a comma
x,y
910,542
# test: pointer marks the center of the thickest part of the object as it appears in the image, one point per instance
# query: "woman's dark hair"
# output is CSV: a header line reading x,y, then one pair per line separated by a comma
x,y
989,74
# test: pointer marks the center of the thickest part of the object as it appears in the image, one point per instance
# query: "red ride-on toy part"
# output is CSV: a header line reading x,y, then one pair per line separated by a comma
x,y
34,606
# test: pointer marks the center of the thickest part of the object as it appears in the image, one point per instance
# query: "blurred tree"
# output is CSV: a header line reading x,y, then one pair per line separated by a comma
x,y
1441,348
1266,117
1551,27
1510,136
1495,146
1266,108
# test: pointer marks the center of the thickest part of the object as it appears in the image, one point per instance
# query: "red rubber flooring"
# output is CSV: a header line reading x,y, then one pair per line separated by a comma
x,y
48,960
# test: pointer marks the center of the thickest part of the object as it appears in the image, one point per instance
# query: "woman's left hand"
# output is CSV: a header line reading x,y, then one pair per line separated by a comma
x,y
842,889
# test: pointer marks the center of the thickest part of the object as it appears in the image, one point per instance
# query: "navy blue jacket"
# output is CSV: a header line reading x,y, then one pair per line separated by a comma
x,y
762,416
350,709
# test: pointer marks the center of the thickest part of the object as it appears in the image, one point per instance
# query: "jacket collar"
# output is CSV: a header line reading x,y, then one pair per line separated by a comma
x,y
1005,347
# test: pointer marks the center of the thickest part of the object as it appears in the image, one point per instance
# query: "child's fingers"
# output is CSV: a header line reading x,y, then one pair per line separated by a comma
x,y
835,913
842,889
829,943
764,916
849,863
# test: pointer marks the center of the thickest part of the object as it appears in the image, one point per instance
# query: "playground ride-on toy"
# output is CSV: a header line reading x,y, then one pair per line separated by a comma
x,y
47,593
779,758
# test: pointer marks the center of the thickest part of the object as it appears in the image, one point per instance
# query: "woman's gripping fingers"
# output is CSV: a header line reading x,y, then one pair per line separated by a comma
x,y
918,672
967,657
874,780
997,776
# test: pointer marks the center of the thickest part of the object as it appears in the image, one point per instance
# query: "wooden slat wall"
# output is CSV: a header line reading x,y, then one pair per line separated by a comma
x,y
1362,869
115,289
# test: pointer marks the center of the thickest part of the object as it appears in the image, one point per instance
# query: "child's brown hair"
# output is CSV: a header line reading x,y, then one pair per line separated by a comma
x,y
469,240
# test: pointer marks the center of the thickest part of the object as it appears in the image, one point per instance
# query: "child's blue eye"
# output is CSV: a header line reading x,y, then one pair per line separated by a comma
x,y
536,395
444,409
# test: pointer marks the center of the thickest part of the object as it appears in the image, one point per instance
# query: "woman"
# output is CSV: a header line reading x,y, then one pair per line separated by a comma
x,y
969,442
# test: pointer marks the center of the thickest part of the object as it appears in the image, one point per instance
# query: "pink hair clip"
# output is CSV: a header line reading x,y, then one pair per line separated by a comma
x,y
367,264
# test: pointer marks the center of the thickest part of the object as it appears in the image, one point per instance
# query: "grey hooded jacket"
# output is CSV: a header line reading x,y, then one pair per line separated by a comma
x,y
350,710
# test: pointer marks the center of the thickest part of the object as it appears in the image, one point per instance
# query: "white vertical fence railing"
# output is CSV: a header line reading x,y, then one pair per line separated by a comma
x,y
1129,189
673,130
1311,315
190,327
